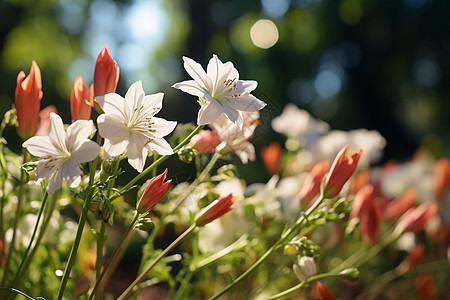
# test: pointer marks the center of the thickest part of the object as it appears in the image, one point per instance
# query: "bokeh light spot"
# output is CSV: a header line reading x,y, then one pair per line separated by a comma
x,y
275,9
327,84
264,34
350,11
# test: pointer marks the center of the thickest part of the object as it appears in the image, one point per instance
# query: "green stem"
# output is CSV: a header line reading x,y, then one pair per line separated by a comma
x,y
82,221
20,270
288,234
301,285
45,223
363,255
3,181
113,255
16,218
157,162
161,255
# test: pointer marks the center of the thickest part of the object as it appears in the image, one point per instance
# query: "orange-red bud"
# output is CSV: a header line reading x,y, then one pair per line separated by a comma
x,y
425,287
311,185
340,171
415,218
323,293
441,178
271,156
28,101
215,210
205,141
81,100
413,258
44,119
396,208
153,193
369,216
106,74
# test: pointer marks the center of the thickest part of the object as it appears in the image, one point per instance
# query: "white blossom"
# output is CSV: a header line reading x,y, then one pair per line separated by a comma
x,y
129,123
220,91
60,152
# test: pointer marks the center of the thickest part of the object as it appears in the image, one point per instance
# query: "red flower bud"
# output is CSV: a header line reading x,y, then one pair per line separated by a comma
x,y
271,156
425,287
215,210
311,185
106,74
323,293
413,258
341,170
205,141
28,101
396,208
441,178
415,218
81,101
153,193
369,216
44,119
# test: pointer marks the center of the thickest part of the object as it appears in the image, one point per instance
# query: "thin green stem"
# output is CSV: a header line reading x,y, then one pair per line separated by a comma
x,y
3,182
288,234
47,218
157,259
82,221
157,162
363,255
20,270
16,219
301,285
113,256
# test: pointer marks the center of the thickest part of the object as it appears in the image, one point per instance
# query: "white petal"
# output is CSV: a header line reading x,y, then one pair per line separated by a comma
x,y
112,103
190,87
246,154
246,102
162,127
135,95
195,70
112,127
160,146
230,70
79,130
57,134
111,150
85,151
71,174
233,115
40,146
44,169
245,86
136,151
209,113
152,104
215,71
54,182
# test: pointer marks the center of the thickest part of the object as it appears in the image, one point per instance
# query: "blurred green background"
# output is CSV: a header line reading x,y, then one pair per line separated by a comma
x,y
376,64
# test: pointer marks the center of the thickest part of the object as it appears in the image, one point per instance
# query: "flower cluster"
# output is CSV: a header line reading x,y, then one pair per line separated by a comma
x,y
325,202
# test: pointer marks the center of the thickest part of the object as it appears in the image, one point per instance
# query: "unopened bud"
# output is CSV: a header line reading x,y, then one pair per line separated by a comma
x,y
186,155
305,267
349,274
290,250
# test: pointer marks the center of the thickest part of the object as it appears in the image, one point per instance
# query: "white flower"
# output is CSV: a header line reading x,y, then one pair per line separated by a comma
x,y
237,140
221,90
62,151
305,267
130,124
299,124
